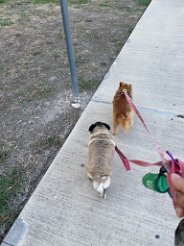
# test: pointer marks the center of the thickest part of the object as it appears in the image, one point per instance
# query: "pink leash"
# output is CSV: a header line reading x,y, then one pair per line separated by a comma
x,y
157,145
126,161
172,166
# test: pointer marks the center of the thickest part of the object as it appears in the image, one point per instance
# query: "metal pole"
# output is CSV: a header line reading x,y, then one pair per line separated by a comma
x,y
70,50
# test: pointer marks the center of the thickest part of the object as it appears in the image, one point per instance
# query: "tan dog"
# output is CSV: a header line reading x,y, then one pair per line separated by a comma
x,y
101,154
122,112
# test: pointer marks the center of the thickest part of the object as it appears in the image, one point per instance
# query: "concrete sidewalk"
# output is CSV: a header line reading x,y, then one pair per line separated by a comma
x,y
65,210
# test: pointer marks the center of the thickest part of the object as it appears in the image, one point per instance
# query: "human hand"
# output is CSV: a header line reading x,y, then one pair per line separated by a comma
x,y
178,187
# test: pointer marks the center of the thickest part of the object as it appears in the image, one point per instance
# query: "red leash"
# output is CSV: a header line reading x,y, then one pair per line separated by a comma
x,y
126,161
123,158
172,166
157,145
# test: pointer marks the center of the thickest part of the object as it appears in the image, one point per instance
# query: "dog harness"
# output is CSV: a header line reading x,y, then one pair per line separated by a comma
x,y
94,139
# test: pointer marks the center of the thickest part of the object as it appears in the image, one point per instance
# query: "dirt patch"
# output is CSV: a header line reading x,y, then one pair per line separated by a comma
x,y
35,88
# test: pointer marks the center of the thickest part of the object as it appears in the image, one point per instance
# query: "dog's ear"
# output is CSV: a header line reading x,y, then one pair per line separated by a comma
x,y
92,127
130,87
107,126
121,84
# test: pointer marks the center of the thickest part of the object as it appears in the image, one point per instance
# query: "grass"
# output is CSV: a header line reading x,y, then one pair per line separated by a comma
x,y
12,186
88,85
115,6
78,1
24,14
5,22
4,151
17,35
130,29
2,1
45,1
35,92
36,52
60,34
104,5
104,64
79,60
47,142
144,2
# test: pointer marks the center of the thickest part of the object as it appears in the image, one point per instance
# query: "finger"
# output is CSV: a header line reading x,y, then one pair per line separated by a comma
x,y
177,182
179,211
179,199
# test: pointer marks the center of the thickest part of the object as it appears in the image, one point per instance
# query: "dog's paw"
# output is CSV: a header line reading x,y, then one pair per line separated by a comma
x,y
89,176
104,196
